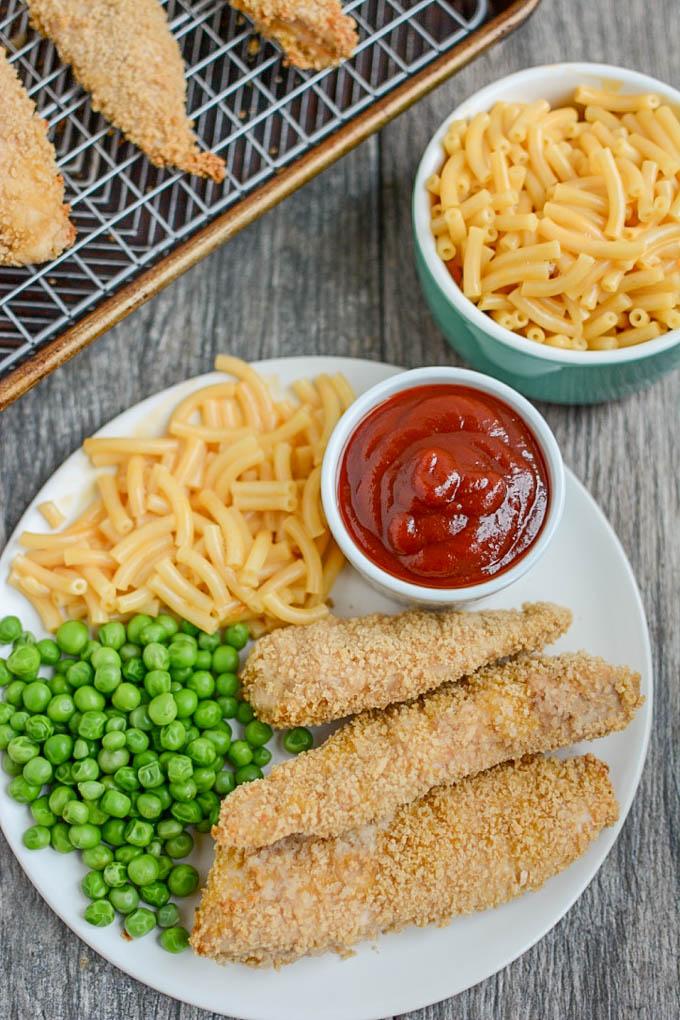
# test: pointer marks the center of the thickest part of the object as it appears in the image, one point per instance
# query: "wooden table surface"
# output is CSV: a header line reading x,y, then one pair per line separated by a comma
x,y
331,272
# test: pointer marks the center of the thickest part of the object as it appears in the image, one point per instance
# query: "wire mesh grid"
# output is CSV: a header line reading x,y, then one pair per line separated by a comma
x,y
257,113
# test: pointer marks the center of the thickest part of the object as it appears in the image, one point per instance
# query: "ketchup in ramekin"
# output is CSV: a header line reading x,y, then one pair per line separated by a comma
x,y
443,486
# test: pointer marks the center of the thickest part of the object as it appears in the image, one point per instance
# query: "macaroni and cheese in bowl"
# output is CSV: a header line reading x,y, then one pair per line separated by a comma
x,y
546,215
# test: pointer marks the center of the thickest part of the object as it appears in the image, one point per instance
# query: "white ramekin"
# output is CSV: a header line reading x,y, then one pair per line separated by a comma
x,y
381,579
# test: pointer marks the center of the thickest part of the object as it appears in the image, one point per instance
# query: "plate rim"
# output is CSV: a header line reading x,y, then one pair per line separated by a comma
x,y
611,835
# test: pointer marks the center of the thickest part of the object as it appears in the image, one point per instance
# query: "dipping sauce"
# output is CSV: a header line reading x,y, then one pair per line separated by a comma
x,y
443,486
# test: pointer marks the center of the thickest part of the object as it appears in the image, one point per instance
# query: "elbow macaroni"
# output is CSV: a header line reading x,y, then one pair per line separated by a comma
x,y
542,215
220,520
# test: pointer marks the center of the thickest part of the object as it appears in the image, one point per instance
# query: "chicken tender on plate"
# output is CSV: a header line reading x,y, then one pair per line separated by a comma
x,y
300,676
381,760
123,53
312,33
459,849
34,220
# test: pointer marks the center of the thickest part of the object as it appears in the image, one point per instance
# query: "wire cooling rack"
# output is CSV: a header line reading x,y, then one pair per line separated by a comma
x,y
260,115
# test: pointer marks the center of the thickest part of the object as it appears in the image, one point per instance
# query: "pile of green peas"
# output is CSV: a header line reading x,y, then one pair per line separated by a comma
x,y
127,744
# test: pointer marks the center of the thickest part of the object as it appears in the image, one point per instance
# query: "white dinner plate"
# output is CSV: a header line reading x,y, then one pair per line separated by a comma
x,y
585,568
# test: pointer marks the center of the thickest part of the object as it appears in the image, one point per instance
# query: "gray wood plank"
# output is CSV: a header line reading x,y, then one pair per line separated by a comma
x,y
331,271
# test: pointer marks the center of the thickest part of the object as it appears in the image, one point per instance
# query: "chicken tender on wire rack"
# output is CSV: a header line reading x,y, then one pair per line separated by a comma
x,y
334,668
459,849
34,220
312,33
125,56
381,760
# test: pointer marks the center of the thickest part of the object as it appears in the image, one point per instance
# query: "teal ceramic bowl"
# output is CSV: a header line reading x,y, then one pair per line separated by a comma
x,y
544,373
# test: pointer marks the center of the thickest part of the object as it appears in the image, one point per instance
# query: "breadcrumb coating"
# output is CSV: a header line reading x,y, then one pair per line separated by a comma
x,y
312,33
300,676
381,760
123,53
459,849
34,220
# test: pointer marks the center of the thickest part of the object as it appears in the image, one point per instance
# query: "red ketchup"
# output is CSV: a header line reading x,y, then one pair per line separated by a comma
x,y
443,486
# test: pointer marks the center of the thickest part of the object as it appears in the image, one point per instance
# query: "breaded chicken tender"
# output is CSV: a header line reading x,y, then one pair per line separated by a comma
x,y
123,53
459,849
381,760
299,676
312,33
34,220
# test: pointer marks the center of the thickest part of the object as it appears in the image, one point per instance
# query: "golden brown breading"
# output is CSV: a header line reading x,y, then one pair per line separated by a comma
x,y
123,53
459,849
299,676
34,220
312,33
381,760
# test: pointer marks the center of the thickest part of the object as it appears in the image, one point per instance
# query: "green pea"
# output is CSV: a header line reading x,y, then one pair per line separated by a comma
x,y
19,721
240,753
124,898
22,791
138,832
228,707
112,635
136,740
11,768
153,633
140,922
182,654
113,740
244,713
58,798
135,627
225,659
58,748
164,866
297,740
150,775
184,791
10,629
208,642
95,815
129,651
126,778
155,848
85,836
168,623
202,751
75,813
25,638
126,697
38,727
224,783
179,845
174,939
173,735
168,828
179,677
157,681
201,683
219,738
139,718
6,712
48,651
61,708
36,696
116,721
64,774
207,715
5,675
79,674
7,734
189,628
89,649
111,761
94,886
72,637
127,853
21,749
41,812
24,662
183,880
91,725
113,831
261,756
36,838
98,857
14,692
85,770
37,771
115,874
149,805
204,779
59,838
100,913
143,870
227,684
88,699
180,768
156,894
134,670
186,701
107,678
103,657
247,773
237,635
168,915
116,804
187,812
156,656
258,733
162,709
